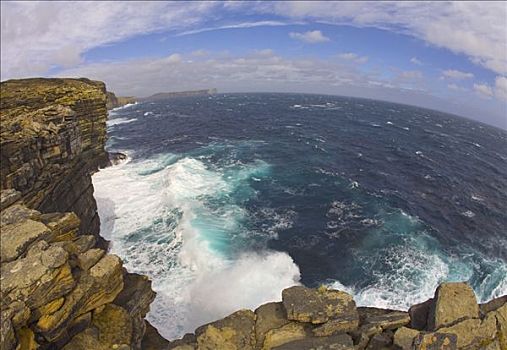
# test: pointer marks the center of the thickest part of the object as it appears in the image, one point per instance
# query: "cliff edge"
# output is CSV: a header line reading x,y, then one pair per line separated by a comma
x,y
59,287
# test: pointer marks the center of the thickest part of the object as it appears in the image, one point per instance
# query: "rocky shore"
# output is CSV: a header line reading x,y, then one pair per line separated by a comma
x,y
60,289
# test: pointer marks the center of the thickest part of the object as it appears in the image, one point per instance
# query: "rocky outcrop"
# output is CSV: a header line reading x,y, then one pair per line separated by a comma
x,y
114,101
59,287
329,319
52,138
58,290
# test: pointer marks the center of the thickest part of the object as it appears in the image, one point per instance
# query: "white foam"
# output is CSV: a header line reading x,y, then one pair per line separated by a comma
x,y
118,121
123,107
155,212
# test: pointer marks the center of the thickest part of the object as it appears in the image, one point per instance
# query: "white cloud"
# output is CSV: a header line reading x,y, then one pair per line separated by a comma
x,y
455,87
414,60
501,88
200,53
411,74
311,37
483,90
350,56
475,29
456,74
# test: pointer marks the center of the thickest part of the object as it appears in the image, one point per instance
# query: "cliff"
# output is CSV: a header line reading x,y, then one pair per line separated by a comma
x,y
59,287
52,138
114,101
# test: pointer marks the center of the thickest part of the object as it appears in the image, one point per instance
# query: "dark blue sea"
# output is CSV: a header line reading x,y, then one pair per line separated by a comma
x,y
227,199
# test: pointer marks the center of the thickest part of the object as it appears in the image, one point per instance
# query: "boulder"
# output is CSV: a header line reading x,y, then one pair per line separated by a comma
x,y
17,237
492,305
317,305
8,197
269,316
404,338
386,319
363,334
234,332
336,342
114,325
17,213
473,332
89,258
381,341
435,341
152,340
419,314
452,302
339,325
288,333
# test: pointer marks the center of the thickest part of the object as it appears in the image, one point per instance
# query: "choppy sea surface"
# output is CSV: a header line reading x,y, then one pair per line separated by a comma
x,y
225,200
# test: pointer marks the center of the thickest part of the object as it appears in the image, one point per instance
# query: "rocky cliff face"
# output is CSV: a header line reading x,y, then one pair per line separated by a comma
x,y
114,101
52,138
59,287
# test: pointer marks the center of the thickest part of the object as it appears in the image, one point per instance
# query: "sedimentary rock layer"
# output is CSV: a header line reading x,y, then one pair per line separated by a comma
x,y
52,138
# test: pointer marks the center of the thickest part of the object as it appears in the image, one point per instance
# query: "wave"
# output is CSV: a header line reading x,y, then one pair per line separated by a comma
x,y
118,121
190,238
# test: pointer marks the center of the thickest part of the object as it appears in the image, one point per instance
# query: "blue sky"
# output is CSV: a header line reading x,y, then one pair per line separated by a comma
x,y
446,56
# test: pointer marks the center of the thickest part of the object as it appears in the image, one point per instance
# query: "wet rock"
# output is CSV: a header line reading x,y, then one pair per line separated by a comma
x,y
419,314
404,337
269,316
336,342
236,331
152,339
286,334
317,305
188,342
16,238
435,341
452,302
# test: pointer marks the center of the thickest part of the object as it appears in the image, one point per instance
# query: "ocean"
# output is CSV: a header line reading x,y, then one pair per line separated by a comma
x,y
225,200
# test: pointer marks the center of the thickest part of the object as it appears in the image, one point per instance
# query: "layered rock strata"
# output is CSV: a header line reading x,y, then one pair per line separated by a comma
x,y
59,290
52,138
324,319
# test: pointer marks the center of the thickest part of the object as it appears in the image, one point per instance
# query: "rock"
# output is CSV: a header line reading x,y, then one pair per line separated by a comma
x,y
7,336
339,325
114,325
317,306
136,297
435,341
404,338
63,225
16,238
363,334
336,342
86,340
188,342
89,258
386,319
492,305
501,320
97,287
8,197
83,243
17,213
236,331
419,314
37,279
152,339
380,341
472,332
268,316
452,302
26,339
288,333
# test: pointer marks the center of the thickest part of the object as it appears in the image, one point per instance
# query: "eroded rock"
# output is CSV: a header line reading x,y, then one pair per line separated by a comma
x,y
317,305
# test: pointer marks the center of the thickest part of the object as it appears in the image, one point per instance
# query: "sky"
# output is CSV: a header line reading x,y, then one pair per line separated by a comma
x,y
449,56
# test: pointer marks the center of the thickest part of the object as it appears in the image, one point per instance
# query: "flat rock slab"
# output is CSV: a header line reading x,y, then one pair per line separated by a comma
x,y
336,342
16,238
386,319
236,331
453,302
317,305
269,316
